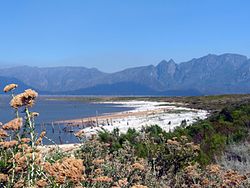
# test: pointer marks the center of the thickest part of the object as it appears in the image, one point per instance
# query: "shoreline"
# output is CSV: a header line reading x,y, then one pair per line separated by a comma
x,y
166,115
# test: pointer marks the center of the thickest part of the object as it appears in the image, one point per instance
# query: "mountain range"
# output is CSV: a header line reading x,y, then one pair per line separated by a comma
x,y
211,74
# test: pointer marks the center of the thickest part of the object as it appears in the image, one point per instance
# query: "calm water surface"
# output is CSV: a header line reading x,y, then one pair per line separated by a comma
x,y
54,110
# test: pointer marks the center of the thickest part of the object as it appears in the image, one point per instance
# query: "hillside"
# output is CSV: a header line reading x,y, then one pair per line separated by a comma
x,y
211,74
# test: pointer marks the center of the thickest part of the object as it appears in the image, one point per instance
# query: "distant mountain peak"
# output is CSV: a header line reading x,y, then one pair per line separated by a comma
x,y
171,61
165,68
210,74
166,63
163,61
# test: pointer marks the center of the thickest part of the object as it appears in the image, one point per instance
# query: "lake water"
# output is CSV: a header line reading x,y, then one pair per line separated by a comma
x,y
54,110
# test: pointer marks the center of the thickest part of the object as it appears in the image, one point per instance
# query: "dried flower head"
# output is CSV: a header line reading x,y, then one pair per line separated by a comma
x,y
123,182
39,141
27,98
3,133
23,146
98,161
233,179
43,133
173,142
175,138
196,147
192,170
14,124
25,140
10,87
20,161
19,184
40,138
3,177
98,171
34,114
184,137
214,168
195,186
41,183
79,133
69,168
8,144
205,182
103,179
139,186
137,166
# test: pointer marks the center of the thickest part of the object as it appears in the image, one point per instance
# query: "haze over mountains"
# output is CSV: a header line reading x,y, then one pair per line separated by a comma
x,y
211,74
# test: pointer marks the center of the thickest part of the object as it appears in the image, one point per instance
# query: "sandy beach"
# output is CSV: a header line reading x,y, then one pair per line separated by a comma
x,y
144,113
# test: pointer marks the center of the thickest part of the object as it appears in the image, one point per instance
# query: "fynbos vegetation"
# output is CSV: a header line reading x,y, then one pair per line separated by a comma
x,y
152,157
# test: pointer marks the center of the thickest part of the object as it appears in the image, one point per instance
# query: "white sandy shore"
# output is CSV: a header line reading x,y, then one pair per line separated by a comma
x,y
62,147
145,113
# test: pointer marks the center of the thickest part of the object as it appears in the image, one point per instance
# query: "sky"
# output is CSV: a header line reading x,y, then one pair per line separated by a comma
x,y
112,35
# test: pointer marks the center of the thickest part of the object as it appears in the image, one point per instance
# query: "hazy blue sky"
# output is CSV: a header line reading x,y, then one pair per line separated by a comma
x,y
114,34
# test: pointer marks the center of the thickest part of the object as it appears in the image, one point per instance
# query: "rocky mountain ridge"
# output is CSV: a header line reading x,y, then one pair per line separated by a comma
x,y
211,74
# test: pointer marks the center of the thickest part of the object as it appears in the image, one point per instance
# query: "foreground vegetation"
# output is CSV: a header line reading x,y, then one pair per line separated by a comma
x,y
213,135
190,156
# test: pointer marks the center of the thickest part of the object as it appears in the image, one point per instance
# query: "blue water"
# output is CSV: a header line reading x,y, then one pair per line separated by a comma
x,y
54,110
